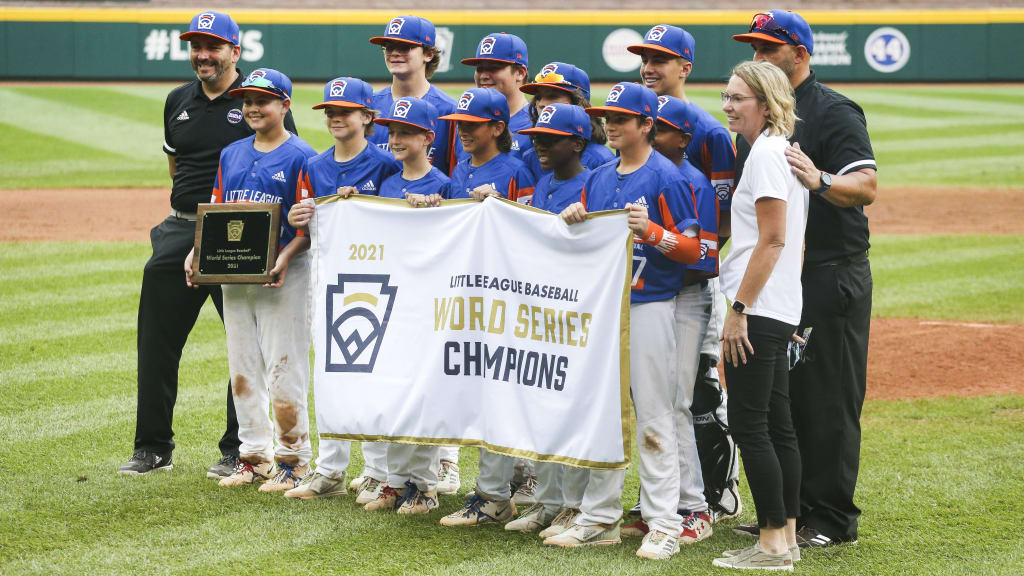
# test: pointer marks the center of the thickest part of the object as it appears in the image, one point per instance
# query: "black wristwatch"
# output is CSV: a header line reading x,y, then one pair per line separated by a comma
x,y
738,307
826,183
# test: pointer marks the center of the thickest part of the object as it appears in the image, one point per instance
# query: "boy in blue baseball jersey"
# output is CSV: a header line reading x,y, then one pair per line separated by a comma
x,y
482,122
351,166
561,83
412,57
559,139
267,326
501,63
410,125
646,184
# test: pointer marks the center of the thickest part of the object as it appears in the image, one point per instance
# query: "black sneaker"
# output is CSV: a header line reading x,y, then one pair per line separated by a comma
x,y
223,468
807,537
143,462
748,530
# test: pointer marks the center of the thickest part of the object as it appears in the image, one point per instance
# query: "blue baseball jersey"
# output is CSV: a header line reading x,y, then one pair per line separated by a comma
x,y
442,153
705,206
520,142
434,182
555,195
593,156
713,153
323,175
505,172
658,186
248,175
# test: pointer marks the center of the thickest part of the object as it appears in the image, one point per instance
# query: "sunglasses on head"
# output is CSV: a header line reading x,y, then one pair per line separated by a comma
x,y
765,22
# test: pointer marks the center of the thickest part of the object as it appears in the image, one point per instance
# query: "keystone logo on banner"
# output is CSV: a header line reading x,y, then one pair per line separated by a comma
x,y
358,309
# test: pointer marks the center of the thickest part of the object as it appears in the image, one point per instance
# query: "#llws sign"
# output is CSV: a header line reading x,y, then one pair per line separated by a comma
x,y
476,323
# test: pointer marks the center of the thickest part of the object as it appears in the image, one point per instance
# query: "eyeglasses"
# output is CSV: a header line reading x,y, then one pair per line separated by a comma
x,y
766,22
735,99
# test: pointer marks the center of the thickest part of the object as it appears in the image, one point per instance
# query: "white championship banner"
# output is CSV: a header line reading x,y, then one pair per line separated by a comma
x,y
475,324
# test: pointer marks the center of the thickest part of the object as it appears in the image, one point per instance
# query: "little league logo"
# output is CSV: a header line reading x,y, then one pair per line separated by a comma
x,y
465,100
206,21
234,115
487,46
358,309
395,26
338,88
614,93
549,69
656,33
257,74
402,108
722,191
546,114
662,100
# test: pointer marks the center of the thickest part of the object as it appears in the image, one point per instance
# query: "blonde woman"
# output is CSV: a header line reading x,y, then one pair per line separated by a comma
x,y
761,276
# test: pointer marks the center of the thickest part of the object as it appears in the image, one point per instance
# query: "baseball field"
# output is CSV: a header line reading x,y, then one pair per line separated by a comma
x,y
83,178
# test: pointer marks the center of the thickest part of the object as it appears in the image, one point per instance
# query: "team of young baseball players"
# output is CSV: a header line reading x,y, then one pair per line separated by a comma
x,y
673,174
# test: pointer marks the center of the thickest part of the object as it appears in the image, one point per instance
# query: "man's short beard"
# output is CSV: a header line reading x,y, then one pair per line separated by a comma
x,y
219,70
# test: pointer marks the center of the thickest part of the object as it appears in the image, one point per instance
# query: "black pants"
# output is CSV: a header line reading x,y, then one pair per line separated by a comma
x,y
168,310
759,419
828,394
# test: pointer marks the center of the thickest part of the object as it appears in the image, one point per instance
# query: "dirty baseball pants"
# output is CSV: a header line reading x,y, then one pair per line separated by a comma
x,y
168,309
653,364
268,356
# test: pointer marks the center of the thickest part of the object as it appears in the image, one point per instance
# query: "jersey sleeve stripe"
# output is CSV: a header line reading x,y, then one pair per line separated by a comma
x,y
857,165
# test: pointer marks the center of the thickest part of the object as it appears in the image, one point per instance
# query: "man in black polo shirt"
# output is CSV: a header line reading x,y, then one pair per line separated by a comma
x,y
832,157
200,119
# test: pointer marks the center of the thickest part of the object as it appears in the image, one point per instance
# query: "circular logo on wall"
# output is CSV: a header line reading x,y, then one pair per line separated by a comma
x,y
614,50
887,50
234,115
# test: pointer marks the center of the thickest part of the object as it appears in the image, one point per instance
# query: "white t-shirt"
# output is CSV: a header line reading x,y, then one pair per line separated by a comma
x,y
766,174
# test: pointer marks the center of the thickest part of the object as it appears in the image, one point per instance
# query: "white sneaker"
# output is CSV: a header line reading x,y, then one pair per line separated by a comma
x,y
316,485
356,485
416,501
478,511
526,493
387,498
696,527
448,481
369,490
565,519
658,545
248,473
535,518
756,558
577,536
794,551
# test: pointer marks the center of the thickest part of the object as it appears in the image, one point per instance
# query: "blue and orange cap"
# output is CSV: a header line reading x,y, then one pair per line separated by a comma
x,y
266,81
501,47
480,105
668,39
628,98
346,92
678,114
213,24
411,111
560,76
561,120
780,27
409,30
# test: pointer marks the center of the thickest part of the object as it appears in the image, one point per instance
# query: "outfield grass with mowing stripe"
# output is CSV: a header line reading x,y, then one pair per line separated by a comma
x,y
940,482
76,136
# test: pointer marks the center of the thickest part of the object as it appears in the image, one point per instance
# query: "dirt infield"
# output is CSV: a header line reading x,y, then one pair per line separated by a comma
x,y
908,358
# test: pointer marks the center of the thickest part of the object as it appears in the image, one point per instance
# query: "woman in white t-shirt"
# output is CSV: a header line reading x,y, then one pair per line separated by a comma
x,y
761,276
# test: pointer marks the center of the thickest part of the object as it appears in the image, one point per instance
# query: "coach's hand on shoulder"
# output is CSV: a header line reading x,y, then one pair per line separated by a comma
x,y
189,270
802,167
574,213
300,214
346,191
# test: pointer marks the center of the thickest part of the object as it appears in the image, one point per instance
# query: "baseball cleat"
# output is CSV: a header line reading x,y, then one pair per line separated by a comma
x,y
286,478
635,529
387,499
696,527
316,485
143,462
448,481
535,518
756,558
658,545
477,511
248,473
416,501
368,490
526,493
566,519
577,536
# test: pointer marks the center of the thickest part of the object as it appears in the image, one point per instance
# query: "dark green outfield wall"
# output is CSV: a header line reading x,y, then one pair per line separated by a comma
x,y
310,52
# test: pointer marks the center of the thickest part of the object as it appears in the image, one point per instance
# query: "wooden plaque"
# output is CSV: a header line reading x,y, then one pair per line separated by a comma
x,y
236,243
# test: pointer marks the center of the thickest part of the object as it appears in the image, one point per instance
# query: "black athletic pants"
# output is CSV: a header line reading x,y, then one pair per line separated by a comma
x,y
168,310
828,393
760,423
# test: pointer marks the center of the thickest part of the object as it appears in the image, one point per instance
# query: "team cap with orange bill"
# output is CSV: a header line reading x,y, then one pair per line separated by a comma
x,y
561,120
214,25
666,39
346,92
408,30
480,105
780,27
628,98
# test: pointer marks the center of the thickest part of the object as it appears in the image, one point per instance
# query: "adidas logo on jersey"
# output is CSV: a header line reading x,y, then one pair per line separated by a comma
x,y
641,201
369,187
279,176
183,116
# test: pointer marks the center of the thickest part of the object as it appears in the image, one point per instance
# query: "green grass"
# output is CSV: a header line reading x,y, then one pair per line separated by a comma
x,y
940,483
106,135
